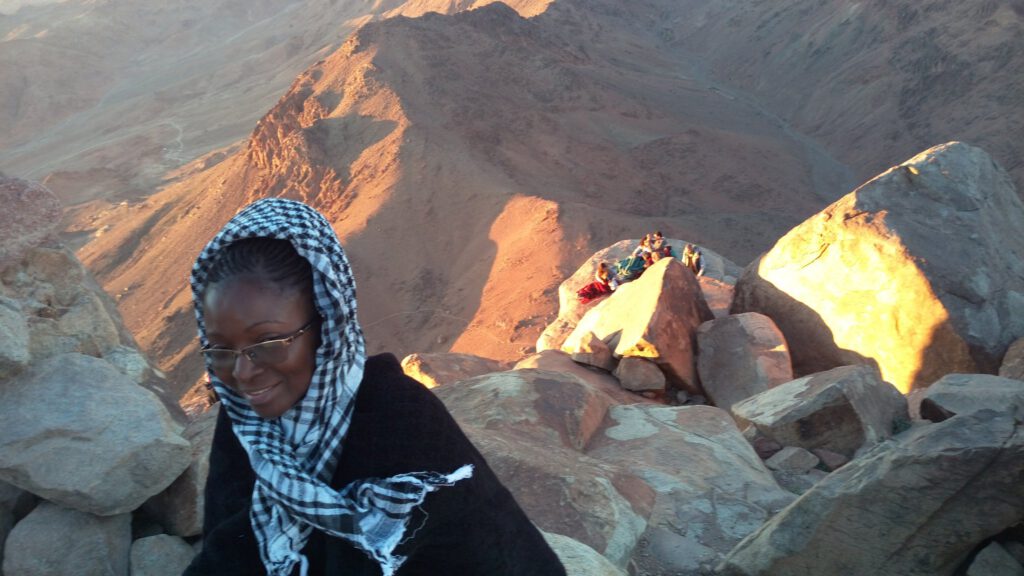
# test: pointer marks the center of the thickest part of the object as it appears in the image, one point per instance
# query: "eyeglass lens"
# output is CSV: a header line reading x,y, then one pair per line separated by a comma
x,y
263,354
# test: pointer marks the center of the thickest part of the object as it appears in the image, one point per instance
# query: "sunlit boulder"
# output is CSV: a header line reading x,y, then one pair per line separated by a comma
x,y
920,271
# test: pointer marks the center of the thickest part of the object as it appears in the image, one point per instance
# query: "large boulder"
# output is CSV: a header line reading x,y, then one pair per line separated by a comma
x,y
433,370
31,214
920,271
739,356
600,380
79,432
179,508
716,283
569,307
712,489
532,426
964,393
915,506
653,317
55,540
843,410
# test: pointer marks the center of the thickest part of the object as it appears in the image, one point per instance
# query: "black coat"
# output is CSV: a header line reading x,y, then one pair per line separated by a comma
x,y
472,527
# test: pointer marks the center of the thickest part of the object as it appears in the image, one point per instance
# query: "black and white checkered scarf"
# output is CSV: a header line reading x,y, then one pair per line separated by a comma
x,y
295,456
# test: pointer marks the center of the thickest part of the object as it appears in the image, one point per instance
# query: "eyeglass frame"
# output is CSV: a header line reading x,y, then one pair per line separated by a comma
x,y
238,353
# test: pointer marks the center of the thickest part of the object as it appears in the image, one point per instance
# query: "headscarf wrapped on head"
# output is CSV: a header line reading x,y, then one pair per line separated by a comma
x,y
295,455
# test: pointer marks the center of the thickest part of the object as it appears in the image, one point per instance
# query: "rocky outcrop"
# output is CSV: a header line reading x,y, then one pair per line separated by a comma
x,y
965,393
867,280
843,410
30,216
994,560
740,356
917,505
90,431
617,477
716,283
654,317
433,370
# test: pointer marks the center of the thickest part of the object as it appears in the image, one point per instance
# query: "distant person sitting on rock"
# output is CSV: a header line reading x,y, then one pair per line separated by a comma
x,y
604,282
629,269
657,241
325,461
693,259
644,247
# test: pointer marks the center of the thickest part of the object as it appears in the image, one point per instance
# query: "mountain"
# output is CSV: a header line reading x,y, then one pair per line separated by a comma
x,y
470,161
102,99
875,80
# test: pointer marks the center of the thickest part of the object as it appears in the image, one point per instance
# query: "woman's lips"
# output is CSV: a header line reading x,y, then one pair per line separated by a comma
x,y
261,395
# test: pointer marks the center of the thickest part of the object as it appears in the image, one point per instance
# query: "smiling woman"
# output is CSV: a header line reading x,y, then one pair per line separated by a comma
x,y
325,461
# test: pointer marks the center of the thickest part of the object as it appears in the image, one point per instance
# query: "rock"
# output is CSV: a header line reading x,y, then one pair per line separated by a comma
x,y
179,508
994,560
30,216
1013,361
549,407
712,489
964,393
14,333
593,351
55,540
798,482
830,460
160,555
602,505
716,284
920,271
554,334
80,433
640,375
580,559
571,310
600,380
765,447
653,317
131,362
841,410
434,370
916,505
739,356
718,295
531,425
792,459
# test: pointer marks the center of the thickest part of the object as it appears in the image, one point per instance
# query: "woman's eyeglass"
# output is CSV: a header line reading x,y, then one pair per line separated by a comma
x,y
261,354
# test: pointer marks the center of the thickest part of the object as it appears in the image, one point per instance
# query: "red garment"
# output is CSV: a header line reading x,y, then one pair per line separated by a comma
x,y
592,291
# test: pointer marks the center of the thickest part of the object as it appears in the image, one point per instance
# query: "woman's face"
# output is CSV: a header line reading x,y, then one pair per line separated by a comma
x,y
247,310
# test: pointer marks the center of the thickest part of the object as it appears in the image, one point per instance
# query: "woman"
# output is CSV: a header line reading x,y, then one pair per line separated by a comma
x,y
604,283
325,461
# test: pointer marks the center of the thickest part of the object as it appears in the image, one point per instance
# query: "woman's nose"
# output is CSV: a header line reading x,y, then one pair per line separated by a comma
x,y
244,368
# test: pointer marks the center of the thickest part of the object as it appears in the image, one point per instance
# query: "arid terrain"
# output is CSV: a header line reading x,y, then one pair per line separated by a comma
x,y
471,158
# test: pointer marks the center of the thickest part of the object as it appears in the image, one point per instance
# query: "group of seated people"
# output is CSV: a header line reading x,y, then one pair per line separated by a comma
x,y
651,249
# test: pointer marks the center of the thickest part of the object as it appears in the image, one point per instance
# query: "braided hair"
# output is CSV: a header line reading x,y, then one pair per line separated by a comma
x,y
271,259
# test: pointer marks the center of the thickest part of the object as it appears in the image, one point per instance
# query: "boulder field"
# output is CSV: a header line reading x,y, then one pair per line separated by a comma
x,y
849,403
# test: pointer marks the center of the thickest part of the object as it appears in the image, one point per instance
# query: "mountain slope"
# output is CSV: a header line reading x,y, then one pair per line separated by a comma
x,y
469,161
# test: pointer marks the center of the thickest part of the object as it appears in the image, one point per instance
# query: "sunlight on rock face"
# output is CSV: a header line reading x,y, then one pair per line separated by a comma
x,y
917,271
869,296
